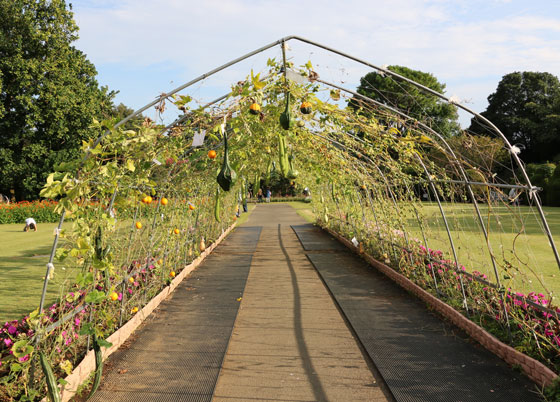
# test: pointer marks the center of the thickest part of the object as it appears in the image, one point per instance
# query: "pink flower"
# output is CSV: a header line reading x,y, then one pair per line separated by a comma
x,y
77,321
12,330
120,296
24,358
8,342
129,291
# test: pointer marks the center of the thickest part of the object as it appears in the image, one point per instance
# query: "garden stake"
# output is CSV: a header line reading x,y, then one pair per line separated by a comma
x,y
448,231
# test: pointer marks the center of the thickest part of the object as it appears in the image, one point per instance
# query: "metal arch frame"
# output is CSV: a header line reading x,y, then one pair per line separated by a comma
x,y
285,39
431,183
281,42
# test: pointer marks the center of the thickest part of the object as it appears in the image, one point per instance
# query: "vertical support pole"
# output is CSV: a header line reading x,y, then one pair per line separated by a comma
x,y
433,187
51,259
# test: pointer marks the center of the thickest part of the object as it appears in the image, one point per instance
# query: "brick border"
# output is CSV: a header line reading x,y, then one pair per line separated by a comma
x,y
534,369
87,366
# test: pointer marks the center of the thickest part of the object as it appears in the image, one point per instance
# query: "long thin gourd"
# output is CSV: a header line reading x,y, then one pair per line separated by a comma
x,y
52,386
98,366
218,207
284,168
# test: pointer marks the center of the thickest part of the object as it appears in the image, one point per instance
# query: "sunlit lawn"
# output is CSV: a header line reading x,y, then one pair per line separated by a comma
x,y
23,259
23,256
516,236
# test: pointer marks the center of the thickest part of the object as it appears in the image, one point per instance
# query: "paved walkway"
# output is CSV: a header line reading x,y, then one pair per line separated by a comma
x,y
314,323
290,343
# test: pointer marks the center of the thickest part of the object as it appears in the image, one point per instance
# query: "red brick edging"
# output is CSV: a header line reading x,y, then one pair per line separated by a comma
x,y
87,365
534,369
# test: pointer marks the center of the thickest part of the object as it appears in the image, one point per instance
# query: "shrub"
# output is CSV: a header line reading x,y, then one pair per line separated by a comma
x,y
41,211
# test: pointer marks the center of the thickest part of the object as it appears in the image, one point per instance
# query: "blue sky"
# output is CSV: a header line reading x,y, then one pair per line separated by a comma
x,y
143,48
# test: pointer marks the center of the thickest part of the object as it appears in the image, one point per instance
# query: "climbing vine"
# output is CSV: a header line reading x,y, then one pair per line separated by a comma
x,y
143,203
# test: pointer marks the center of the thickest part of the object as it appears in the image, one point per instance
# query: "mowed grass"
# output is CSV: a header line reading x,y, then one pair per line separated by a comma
x,y
303,209
23,256
23,259
516,237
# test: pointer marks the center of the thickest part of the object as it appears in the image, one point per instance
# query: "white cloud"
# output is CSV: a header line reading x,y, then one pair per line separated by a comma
x,y
448,38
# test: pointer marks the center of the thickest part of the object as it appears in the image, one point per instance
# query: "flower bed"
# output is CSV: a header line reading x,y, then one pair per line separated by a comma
x,y
42,211
527,323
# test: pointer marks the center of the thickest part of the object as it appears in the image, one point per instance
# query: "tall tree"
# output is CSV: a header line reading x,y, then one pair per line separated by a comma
x,y
440,115
48,93
526,108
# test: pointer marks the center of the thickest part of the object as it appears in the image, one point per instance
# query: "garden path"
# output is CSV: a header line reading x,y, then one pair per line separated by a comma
x,y
280,311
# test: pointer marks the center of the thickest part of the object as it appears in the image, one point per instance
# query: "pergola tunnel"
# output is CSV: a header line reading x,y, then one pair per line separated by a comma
x,y
149,196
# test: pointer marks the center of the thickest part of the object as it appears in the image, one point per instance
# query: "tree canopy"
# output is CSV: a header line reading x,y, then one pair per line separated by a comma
x,y
409,99
48,93
526,108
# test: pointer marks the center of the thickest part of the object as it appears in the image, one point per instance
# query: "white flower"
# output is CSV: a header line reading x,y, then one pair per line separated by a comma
x,y
454,99
515,150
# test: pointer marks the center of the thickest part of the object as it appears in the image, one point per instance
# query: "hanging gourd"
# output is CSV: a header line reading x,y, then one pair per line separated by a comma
x,y
292,174
256,184
305,107
283,156
218,207
286,116
226,177
244,191
255,108
268,172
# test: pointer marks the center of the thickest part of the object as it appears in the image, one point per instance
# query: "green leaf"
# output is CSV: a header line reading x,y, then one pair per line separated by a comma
x,y
104,343
130,165
15,367
22,348
257,83
95,296
87,329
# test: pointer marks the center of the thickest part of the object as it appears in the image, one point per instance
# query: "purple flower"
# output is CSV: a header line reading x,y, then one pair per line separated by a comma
x,y
12,330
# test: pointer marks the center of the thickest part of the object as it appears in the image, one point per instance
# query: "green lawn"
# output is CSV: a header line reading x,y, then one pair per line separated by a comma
x,y
23,256
303,209
23,259
515,236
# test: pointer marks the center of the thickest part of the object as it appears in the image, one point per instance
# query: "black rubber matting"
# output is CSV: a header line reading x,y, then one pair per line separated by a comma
x,y
314,239
420,357
177,354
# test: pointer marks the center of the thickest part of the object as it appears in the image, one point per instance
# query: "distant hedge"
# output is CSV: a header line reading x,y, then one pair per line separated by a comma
x,y
17,212
546,176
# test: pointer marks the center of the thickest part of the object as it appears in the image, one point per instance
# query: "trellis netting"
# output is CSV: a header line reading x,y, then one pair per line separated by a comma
x,y
453,211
